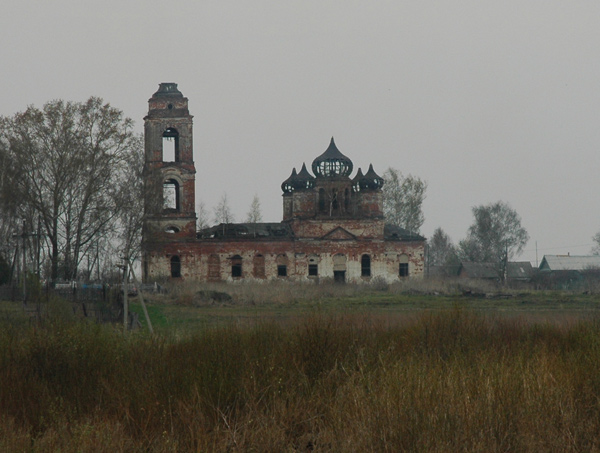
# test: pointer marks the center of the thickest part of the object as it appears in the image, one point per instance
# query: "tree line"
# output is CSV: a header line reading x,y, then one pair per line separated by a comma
x,y
71,197
496,236
70,185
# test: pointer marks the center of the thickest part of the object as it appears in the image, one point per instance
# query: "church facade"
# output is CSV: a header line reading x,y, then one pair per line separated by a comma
x,y
332,228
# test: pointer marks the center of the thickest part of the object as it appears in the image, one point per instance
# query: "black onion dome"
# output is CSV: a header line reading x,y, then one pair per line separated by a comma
x,y
356,182
304,180
288,185
332,163
372,181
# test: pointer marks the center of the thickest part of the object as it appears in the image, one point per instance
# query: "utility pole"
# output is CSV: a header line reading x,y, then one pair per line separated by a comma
x,y
38,247
125,291
505,271
97,261
24,236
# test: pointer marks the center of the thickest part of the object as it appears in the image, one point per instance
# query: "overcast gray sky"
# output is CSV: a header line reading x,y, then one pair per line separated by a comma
x,y
485,100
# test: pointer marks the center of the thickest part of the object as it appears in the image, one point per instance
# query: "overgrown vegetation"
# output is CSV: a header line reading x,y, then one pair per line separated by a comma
x,y
443,380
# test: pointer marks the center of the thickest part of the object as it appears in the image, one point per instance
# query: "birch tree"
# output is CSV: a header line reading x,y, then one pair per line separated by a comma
x,y
202,222
254,213
496,235
403,200
222,212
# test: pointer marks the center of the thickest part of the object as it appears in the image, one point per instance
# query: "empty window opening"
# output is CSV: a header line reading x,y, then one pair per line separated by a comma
x,y
175,267
236,266
171,194
365,266
403,268
170,145
313,266
171,229
282,263
259,266
339,276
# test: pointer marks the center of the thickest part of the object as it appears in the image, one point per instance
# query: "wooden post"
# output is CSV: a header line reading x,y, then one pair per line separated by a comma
x,y
142,301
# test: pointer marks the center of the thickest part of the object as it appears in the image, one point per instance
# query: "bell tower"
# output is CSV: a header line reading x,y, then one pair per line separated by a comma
x,y
169,172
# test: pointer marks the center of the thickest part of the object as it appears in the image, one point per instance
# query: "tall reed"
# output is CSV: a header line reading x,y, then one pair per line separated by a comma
x,y
447,381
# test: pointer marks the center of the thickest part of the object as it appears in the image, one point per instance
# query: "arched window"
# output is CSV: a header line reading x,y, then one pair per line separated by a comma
x,y
170,145
259,266
175,267
236,266
365,266
214,268
172,229
171,194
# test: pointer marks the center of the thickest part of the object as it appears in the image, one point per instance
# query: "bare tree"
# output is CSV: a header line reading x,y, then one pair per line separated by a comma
x,y
202,222
130,202
65,159
222,211
9,216
442,251
403,200
495,236
254,214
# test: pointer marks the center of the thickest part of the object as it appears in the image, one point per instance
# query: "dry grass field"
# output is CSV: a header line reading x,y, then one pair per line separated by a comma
x,y
295,368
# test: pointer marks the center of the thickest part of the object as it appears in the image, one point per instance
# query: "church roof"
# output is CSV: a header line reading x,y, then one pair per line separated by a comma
x,y
368,181
395,233
289,184
247,231
332,163
168,89
304,179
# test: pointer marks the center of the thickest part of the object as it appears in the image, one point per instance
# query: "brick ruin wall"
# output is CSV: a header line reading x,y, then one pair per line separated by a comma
x,y
197,264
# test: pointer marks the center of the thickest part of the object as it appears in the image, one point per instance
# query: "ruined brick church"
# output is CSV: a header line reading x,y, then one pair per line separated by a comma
x,y
333,225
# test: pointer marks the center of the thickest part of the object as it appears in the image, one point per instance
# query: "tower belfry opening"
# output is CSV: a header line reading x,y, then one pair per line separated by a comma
x,y
170,145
